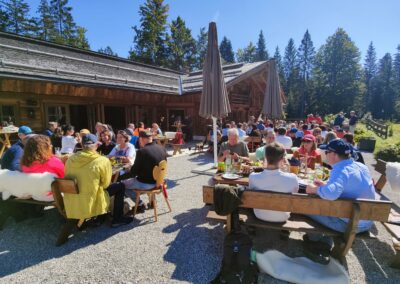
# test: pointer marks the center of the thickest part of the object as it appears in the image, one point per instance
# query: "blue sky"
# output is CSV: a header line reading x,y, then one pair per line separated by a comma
x,y
109,22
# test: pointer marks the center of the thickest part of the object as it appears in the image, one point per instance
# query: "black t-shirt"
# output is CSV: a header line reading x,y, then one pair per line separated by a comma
x,y
146,159
106,149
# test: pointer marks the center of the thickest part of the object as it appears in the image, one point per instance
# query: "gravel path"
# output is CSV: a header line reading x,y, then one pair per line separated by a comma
x,y
181,247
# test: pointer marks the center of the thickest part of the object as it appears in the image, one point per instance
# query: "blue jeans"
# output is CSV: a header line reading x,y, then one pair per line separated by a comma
x,y
336,224
133,183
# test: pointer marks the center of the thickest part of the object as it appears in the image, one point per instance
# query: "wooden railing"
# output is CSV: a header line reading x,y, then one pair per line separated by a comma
x,y
380,129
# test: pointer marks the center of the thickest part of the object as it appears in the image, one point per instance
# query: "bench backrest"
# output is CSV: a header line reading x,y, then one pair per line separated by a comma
x,y
380,167
60,186
377,210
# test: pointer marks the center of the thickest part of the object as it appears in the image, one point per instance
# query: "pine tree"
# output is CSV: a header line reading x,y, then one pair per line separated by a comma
x,y
151,36
181,46
279,65
16,14
65,27
370,72
225,48
248,54
396,69
305,63
337,74
107,50
45,23
385,101
289,60
3,18
261,50
201,48
81,40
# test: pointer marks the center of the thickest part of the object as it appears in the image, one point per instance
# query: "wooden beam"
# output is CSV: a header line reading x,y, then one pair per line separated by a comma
x,y
377,210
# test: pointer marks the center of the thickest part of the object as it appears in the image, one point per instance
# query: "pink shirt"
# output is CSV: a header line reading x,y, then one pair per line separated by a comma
x,y
53,165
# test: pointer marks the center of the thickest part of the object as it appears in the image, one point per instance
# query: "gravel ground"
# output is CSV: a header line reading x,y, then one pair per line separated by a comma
x,y
181,247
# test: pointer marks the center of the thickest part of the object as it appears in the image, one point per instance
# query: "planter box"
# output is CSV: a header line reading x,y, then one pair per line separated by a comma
x,y
367,144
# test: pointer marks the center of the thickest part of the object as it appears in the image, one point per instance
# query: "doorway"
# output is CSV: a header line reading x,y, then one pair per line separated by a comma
x,y
115,116
79,117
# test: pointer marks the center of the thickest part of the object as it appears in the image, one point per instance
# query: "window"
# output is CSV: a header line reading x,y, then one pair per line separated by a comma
x,y
7,114
58,113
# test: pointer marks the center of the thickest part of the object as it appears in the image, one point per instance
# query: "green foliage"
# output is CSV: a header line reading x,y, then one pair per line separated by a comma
x,y
201,48
107,50
45,24
226,51
151,36
16,16
279,65
261,49
248,54
389,154
337,74
329,118
3,18
362,133
65,27
81,40
181,46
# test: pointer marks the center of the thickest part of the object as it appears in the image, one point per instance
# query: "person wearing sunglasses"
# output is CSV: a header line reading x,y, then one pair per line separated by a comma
x,y
348,179
308,151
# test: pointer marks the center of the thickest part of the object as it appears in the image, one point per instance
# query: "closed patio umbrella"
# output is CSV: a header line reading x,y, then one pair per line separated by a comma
x,y
272,106
214,100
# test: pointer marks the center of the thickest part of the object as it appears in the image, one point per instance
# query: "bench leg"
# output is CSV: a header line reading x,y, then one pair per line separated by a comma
x,y
66,230
340,250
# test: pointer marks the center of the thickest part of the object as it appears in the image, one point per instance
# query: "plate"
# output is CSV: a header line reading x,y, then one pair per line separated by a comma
x,y
231,176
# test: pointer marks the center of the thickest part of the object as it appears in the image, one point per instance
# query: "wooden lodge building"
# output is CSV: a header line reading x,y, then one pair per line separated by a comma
x,y
42,81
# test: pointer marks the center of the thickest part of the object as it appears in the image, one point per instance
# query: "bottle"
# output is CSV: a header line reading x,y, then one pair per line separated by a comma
x,y
319,172
228,164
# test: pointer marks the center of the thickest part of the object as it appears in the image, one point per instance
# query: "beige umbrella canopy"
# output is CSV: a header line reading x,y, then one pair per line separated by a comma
x,y
272,106
214,100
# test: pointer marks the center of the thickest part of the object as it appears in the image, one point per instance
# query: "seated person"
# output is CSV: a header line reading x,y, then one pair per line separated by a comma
x,y
93,174
317,134
281,138
106,143
68,141
348,179
51,126
124,150
242,133
238,149
148,156
38,157
12,157
308,150
156,129
138,129
260,152
297,140
355,153
273,179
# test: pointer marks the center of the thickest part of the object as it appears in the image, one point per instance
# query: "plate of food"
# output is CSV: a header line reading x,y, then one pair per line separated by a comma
x,y
231,176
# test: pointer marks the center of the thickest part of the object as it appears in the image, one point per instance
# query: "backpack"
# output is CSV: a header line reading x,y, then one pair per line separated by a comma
x,y
237,266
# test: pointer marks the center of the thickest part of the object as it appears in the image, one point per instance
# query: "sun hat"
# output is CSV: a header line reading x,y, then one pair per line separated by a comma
x,y
308,137
145,134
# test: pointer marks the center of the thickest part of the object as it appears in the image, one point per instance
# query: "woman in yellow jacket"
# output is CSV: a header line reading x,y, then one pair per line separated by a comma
x,y
93,175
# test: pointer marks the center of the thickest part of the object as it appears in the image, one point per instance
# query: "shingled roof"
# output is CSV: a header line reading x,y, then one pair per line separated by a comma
x,y
27,58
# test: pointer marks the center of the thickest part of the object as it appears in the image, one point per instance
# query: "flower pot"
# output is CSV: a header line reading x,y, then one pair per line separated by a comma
x,y
367,144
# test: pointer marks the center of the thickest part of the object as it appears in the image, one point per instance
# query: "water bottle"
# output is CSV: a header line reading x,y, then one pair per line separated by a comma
x,y
228,164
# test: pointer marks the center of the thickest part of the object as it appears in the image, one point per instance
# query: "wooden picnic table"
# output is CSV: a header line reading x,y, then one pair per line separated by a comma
x,y
161,140
117,169
240,181
5,139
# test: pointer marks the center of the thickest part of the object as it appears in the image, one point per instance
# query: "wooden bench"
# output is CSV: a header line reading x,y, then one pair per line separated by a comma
x,y
355,210
393,223
58,187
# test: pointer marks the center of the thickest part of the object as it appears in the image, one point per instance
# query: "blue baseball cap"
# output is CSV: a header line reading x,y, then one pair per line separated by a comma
x,y
293,130
299,134
25,130
89,139
337,146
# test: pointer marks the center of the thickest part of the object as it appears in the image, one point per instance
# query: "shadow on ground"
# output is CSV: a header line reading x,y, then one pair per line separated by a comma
x,y
18,252
196,251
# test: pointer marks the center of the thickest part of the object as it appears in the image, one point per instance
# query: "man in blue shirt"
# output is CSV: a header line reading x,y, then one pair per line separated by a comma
x,y
348,179
11,158
50,128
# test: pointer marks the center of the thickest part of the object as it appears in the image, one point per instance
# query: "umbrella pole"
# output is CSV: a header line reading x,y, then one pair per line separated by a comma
x,y
214,119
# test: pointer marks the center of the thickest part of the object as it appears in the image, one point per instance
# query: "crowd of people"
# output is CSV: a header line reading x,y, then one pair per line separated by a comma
x,y
313,142
88,161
